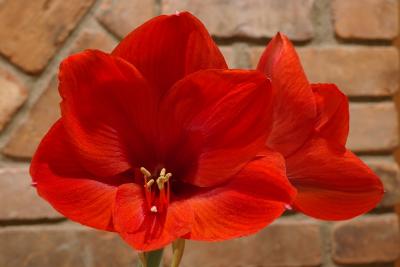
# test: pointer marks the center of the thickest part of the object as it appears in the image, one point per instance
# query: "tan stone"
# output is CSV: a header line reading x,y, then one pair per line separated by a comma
x,y
122,16
62,245
45,112
368,239
357,70
229,55
388,171
26,138
251,18
12,95
287,242
34,30
366,19
18,199
373,127
93,39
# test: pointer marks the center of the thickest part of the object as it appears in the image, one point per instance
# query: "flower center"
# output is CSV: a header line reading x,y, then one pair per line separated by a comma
x,y
157,196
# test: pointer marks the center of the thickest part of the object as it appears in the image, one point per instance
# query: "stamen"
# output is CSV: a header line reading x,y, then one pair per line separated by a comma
x,y
163,171
153,209
163,178
160,184
163,186
149,184
145,172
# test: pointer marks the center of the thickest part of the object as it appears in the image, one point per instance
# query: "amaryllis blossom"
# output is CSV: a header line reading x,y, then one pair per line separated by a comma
x,y
310,128
159,140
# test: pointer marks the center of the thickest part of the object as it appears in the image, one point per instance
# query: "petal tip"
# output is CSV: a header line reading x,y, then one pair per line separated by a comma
x,y
281,38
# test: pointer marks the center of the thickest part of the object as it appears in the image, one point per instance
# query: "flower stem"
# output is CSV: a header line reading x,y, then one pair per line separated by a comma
x,y
151,258
178,246
142,259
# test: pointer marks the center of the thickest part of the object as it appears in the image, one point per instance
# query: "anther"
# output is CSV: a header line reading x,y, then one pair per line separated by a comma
x,y
145,172
163,178
149,184
163,171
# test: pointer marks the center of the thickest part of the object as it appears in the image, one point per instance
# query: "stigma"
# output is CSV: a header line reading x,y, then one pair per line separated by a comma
x,y
157,197
153,209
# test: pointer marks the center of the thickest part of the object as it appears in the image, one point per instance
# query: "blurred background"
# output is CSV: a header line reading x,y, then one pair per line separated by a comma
x,y
352,43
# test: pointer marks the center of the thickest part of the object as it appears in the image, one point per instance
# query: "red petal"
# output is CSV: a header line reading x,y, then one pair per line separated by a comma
x,y
215,122
145,230
108,110
252,199
333,113
294,110
332,183
167,48
67,186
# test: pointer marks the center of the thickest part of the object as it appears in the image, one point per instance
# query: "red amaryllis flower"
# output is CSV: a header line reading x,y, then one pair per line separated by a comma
x,y
158,140
310,128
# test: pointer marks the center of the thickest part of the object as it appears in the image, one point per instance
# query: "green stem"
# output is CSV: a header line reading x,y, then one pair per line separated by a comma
x,y
142,262
151,258
178,246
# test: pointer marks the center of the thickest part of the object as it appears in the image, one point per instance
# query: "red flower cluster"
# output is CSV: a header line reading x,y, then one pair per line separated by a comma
x,y
159,140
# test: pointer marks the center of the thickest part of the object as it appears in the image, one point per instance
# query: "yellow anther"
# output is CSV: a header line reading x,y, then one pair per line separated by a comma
x,y
163,178
149,184
162,172
145,172
160,183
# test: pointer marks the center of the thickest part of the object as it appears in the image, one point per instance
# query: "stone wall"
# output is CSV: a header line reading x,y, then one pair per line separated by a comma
x,y
350,42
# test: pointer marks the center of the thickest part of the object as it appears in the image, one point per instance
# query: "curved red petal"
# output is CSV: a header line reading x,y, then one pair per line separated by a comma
x,y
167,48
248,202
197,113
108,109
70,189
294,104
143,229
333,113
332,183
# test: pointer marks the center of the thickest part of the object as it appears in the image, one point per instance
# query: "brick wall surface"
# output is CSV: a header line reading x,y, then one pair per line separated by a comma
x,y
353,43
